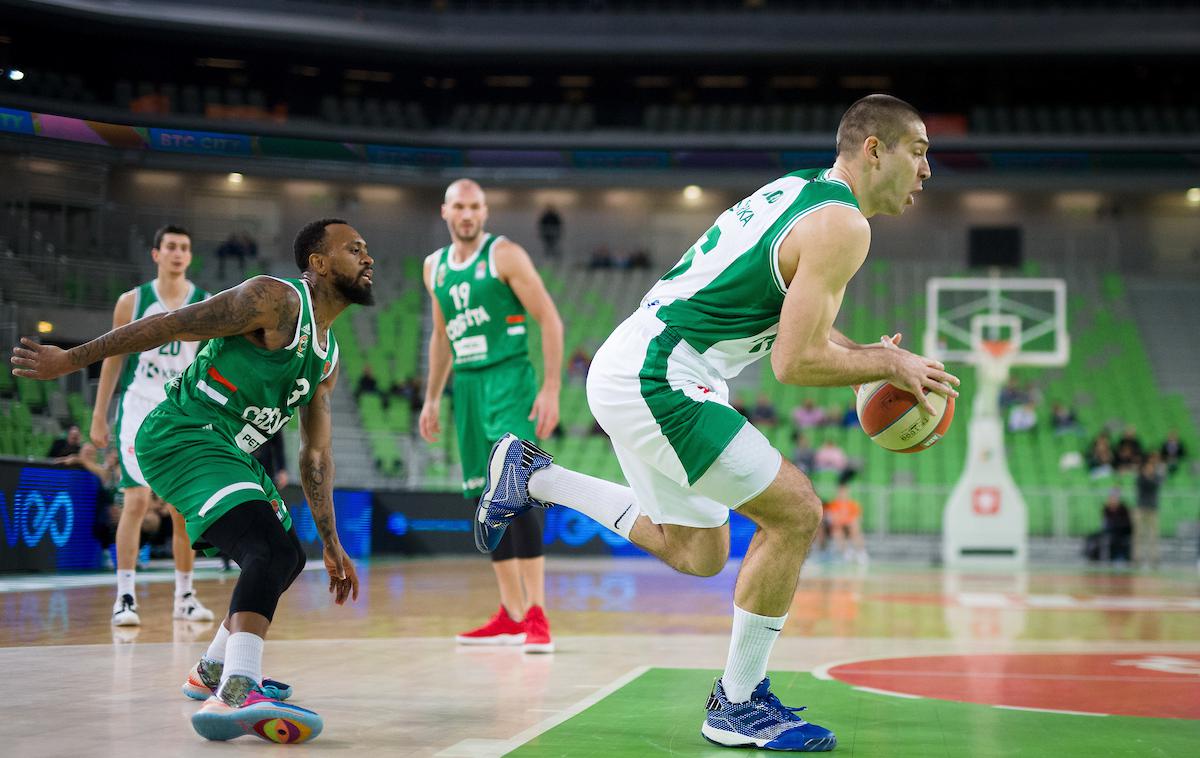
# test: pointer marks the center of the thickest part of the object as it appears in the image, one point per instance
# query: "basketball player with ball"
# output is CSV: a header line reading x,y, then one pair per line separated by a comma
x,y
766,279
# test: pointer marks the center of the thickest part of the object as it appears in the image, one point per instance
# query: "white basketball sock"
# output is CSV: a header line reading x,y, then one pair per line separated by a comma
x,y
243,657
612,505
183,583
750,646
125,583
216,648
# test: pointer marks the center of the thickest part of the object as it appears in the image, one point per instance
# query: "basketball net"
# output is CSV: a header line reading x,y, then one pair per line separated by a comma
x,y
993,359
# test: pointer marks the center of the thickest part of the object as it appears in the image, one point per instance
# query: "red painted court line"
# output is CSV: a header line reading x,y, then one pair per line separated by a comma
x,y
1129,684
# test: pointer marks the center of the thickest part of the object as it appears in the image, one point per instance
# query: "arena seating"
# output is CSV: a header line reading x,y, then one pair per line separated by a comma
x,y
1104,344
1109,383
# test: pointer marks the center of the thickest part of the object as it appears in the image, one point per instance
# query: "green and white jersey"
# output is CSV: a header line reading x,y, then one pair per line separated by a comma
x,y
147,373
724,296
247,393
484,319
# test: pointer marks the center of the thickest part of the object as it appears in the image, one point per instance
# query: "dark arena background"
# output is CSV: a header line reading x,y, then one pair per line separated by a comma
x,y
608,134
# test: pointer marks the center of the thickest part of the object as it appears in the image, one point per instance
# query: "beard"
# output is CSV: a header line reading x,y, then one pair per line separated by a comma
x,y
474,235
354,290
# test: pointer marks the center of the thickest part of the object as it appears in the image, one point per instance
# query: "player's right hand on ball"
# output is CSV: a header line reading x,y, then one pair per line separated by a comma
x,y
917,375
430,422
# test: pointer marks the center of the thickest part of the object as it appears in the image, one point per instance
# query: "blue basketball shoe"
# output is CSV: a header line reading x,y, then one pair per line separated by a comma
x,y
506,491
762,722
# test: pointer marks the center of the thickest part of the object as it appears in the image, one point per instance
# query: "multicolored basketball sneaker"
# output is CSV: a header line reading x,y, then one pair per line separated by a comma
x,y
240,707
762,722
499,630
506,491
205,677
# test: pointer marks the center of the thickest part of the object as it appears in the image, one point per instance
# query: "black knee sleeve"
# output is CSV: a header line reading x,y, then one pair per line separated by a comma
x,y
301,558
269,557
522,538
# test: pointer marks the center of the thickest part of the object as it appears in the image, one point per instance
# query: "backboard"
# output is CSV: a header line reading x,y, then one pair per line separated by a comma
x,y
966,318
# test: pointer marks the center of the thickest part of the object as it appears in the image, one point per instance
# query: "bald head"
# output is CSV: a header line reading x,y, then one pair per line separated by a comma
x,y
465,210
463,187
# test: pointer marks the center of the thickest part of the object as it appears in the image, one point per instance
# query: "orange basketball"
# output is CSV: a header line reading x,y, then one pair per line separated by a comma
x,y
893,418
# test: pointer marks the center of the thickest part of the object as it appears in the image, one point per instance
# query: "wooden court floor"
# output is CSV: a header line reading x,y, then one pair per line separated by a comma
x,y
897,659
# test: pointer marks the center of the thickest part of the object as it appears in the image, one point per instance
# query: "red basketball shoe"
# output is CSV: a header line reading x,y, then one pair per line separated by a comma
x,y
537,631
499,630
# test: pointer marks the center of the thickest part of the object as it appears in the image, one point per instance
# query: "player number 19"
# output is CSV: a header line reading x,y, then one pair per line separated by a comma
x,y
461,293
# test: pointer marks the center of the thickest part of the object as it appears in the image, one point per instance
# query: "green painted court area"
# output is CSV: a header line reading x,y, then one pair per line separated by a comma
x,y
660,712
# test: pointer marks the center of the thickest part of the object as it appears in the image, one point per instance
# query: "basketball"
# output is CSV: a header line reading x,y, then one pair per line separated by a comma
x,y
893,418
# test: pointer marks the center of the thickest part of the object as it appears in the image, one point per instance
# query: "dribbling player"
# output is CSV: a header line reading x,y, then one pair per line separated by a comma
x,y
766,279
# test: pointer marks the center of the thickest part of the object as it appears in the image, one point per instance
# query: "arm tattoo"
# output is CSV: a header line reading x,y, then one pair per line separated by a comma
x,y
253,305
316,468
316,475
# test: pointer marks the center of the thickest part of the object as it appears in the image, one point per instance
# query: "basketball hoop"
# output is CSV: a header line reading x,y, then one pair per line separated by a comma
x,y
993,358
996,348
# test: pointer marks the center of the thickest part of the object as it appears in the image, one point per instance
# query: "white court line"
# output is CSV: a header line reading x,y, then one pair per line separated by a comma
x,y
495,748
40,583
888,692
1047,710
822,672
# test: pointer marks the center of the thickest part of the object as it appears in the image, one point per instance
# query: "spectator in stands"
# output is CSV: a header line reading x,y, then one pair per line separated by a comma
x,y
68,445
1031,394
850,416
844,515
366,382
1129,454
1022,417
1112,542
639,259
1172,451
578,364
233,247
830,457
1063,420
1011,395
158,527
601,258
1150,479
804,457
108,512
808,415
415,392
550,227
764,413
1100,457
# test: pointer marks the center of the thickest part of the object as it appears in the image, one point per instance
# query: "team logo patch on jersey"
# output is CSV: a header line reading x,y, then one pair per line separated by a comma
x,y
480,269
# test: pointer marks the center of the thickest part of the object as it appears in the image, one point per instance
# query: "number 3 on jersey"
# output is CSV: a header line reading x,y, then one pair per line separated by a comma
x,y
300,391
705,245
461,293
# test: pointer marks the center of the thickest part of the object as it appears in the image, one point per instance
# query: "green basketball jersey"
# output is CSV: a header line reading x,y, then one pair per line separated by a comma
x,y
724,296
146,374
247,393
484,319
